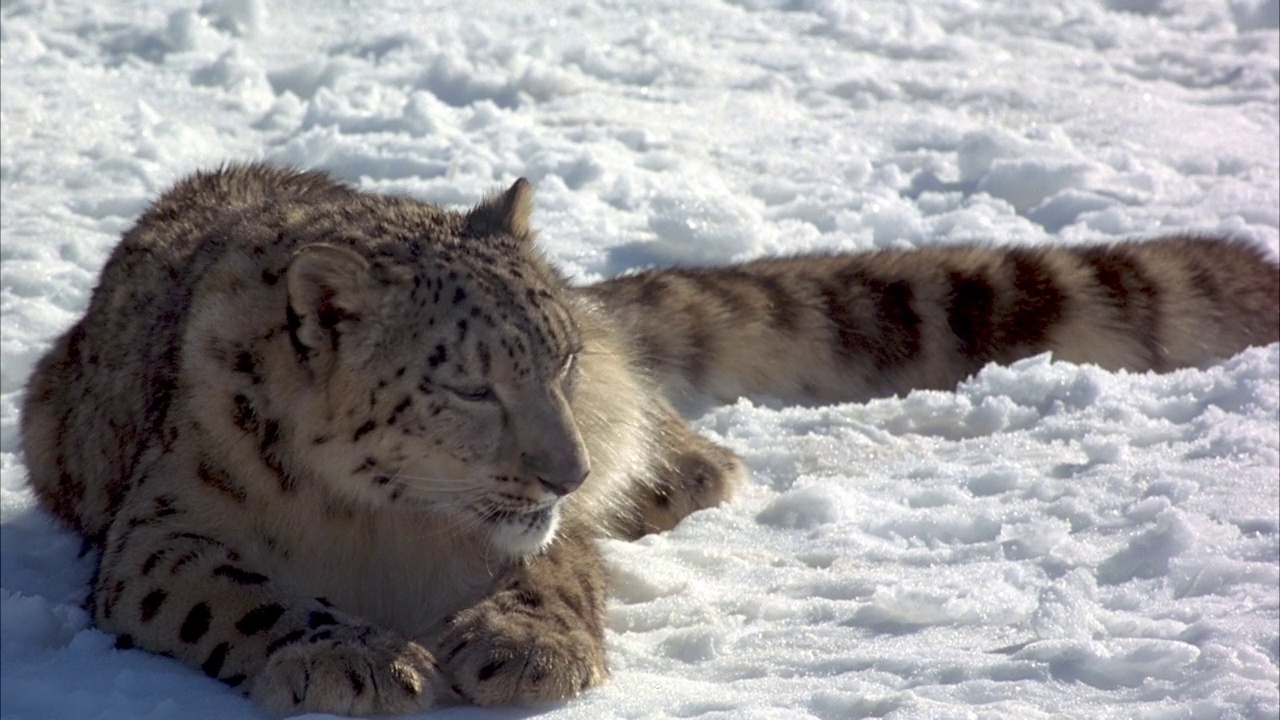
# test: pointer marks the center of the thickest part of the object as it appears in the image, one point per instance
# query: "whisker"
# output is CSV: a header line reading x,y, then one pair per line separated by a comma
x,y
437,485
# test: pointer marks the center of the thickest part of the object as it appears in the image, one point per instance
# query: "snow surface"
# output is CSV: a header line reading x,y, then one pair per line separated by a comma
x,y
1049,540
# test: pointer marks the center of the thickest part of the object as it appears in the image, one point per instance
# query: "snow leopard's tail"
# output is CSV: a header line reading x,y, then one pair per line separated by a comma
x,y
857,326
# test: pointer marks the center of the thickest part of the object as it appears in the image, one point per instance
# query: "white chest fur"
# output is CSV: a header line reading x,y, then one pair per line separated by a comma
x,y
393,568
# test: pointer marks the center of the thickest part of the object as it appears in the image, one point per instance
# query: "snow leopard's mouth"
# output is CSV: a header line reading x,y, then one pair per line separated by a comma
x,y
515,517
523,532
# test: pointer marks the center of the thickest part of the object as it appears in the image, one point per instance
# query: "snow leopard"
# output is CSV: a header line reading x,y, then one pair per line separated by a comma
x,y
353,453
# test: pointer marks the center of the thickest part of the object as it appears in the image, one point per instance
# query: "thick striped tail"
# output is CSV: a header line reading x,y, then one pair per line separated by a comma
x,y
854,327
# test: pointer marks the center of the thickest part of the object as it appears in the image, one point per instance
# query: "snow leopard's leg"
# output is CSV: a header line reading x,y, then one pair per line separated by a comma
x,y
689,473
539,636
193,596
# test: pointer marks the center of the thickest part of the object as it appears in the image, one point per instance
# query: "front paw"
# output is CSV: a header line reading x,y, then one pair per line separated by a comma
x,y
503,652
347,670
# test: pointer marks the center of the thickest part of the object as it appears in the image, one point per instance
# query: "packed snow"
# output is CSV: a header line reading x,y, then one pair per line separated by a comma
x,y
1048,540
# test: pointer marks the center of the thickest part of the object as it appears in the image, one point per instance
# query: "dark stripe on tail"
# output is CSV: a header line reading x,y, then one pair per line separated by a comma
x,y
1134,294
1036,305
971,308
742,291
890,333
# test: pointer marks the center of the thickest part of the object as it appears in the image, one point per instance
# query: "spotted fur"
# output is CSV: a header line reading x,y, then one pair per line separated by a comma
x,y
349,453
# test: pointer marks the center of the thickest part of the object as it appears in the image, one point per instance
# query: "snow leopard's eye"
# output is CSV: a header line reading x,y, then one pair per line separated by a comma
x,y
475,394
568,367
568,375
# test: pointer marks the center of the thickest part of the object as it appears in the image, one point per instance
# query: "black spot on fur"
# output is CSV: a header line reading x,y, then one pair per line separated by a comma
x,y
319,618
194,537
357,684
400,407
269,439
239,575
459,295
150,563
163,506
196,623
70,492
363,430
117,547
151,604
488,671
182,561
215,477
247,364
235,680
135,522
260,619
124,642
243,414
453,652
288,638
107,601
213,664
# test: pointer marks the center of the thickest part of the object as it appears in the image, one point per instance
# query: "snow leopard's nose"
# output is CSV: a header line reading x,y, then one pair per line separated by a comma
x,y
559,475
550,445
563,486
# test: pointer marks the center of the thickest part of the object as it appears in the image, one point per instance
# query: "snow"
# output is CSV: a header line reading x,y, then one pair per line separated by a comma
x,y
1049,540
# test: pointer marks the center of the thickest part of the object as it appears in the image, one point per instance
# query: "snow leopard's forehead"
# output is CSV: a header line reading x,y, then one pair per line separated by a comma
x,y
491,300
509,306
479,306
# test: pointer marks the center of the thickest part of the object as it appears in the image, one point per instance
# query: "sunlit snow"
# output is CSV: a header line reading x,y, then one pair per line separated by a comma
x,y
1049,540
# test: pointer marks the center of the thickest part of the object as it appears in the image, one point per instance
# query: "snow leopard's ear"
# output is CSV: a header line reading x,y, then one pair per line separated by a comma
x,y
504,214
329,292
